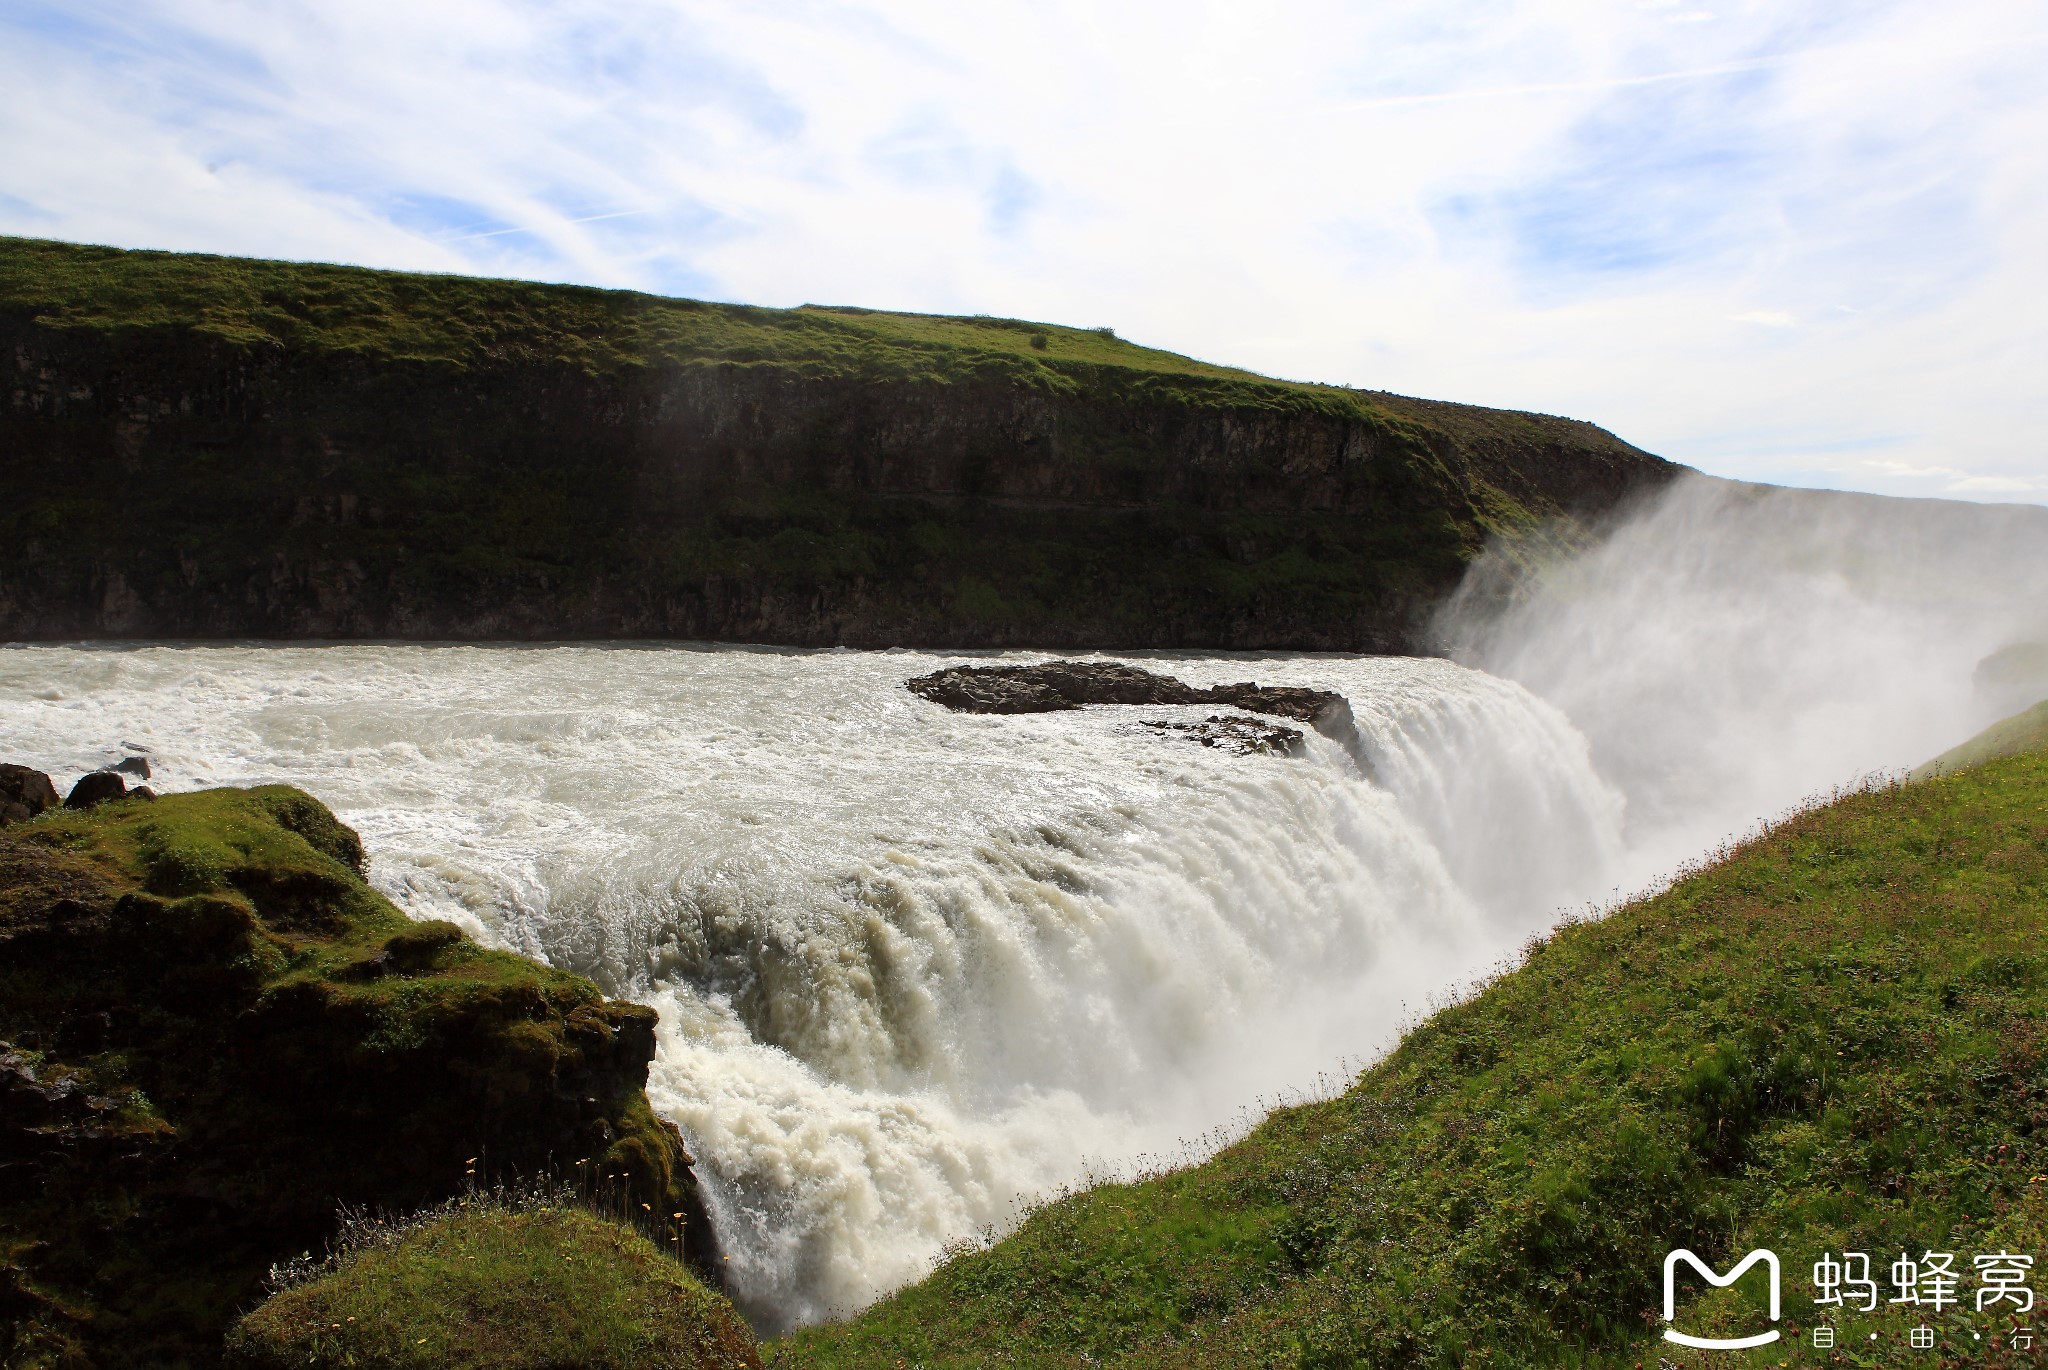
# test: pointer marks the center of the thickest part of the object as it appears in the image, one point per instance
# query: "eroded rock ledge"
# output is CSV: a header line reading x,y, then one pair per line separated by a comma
x,y
213,1031
1227,732
1048,686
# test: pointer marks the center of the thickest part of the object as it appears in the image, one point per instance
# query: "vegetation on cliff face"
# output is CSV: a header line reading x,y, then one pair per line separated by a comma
x,y
212,1032
199,446
496,1286
1834,1038
471,323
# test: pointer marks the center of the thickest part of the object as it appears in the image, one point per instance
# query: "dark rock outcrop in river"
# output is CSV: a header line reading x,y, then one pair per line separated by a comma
x,y
1048,686
205,447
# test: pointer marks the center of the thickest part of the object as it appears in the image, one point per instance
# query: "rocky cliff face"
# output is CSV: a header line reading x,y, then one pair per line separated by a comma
x,y
213,1032
172,476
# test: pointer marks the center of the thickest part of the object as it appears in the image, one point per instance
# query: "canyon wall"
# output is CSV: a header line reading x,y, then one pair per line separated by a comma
x,y
278,457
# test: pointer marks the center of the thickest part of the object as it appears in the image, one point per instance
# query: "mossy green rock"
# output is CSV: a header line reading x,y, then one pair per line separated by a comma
x,y
213,1031
197,446
488,1289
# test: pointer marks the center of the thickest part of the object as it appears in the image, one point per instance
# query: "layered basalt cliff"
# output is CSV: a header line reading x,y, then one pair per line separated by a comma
x,y
204,447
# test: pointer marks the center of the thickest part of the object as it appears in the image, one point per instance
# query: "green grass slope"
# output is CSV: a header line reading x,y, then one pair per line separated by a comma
x,y
491,1286
2026,731
213,1031
1833,1038
210,446
470,322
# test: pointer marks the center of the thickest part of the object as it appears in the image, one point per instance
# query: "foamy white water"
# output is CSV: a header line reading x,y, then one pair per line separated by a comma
x,y
911,964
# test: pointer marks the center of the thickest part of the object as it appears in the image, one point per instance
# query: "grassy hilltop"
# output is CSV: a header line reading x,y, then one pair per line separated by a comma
x,y
209,446
470,322
1833,1038
532,1285
475,323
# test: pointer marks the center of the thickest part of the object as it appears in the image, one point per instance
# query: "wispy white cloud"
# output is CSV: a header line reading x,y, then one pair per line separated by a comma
x,y
1611,83
1999,485
1766,241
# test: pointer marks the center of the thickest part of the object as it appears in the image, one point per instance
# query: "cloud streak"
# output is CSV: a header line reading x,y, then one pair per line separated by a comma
x,y
1779,244
1566,87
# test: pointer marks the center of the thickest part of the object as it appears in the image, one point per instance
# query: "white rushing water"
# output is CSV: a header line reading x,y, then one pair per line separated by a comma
x,y
911,964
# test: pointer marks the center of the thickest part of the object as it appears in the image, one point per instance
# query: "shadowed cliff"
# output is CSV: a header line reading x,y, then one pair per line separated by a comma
x,y
209,447
213,1032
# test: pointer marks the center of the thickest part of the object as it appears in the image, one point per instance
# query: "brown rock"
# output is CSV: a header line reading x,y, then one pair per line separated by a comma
x,y
1051,685
96,788
24,793
1048,686
1297,702
1244,736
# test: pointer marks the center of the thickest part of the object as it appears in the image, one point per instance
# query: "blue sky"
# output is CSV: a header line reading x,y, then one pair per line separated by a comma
x,y
1784,242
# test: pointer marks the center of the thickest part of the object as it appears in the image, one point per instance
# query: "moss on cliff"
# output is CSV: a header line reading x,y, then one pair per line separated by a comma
x,y
494,1287
205,446
1834,1038
212,1031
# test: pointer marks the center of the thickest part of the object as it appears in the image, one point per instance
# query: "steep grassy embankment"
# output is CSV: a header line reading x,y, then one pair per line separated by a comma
x,y
2026,731
1833,1039
495,1286
212,1032
204,446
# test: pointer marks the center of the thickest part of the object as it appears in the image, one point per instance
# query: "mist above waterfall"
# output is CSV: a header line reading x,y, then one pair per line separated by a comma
x,y
1728,649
